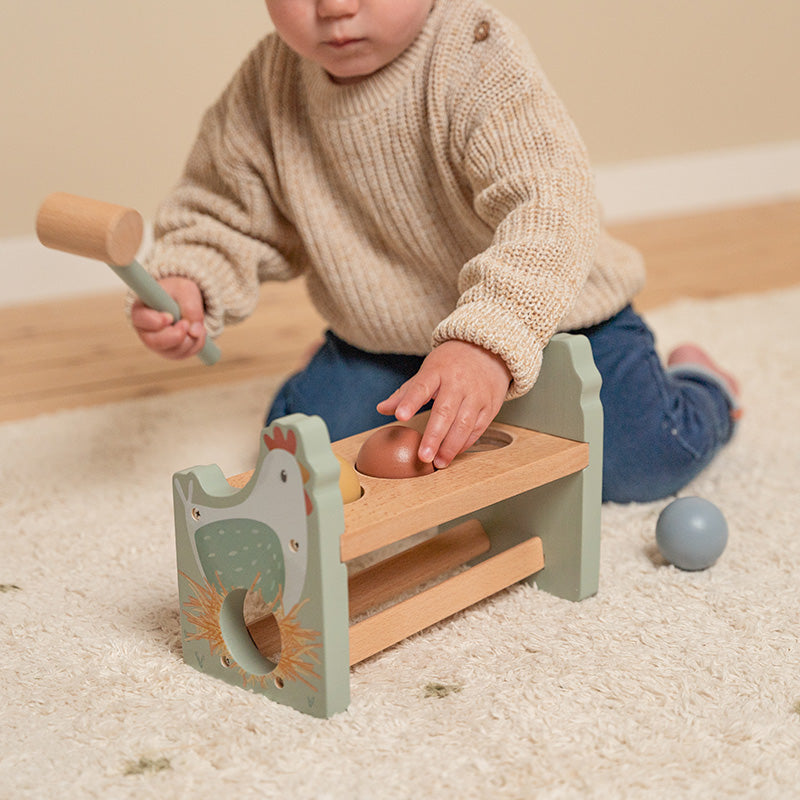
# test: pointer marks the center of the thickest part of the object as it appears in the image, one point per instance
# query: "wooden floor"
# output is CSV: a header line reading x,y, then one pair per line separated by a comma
x,y
82,352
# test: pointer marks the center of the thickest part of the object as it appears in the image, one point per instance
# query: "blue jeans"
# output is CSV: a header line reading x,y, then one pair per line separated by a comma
x,y
661,427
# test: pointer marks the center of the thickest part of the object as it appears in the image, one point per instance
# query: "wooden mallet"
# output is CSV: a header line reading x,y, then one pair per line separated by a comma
x,y
112,234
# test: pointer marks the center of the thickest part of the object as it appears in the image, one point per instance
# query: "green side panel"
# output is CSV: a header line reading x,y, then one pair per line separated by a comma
x,y
276,538
565,401
565,514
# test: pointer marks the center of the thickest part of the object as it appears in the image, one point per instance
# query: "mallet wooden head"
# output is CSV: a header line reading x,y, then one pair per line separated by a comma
x,y
90,228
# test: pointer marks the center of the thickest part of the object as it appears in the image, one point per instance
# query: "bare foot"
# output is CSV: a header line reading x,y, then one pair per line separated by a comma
x,y
692,354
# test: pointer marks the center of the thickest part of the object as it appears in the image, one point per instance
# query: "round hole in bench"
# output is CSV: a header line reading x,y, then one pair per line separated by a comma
x,y
243,638
492,439
263,627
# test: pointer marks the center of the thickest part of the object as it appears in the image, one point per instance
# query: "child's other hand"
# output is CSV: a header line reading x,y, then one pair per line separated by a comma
x,y
467,384
158,332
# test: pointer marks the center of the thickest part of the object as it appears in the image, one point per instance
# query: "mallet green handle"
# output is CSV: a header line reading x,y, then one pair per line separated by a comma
x,y
109,233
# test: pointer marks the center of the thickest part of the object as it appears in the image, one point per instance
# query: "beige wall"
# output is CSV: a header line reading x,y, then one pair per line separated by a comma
x,y
103,98
648,78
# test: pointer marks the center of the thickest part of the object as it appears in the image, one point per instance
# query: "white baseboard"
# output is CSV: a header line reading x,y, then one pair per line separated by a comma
x,y
696,182
633,190
30,273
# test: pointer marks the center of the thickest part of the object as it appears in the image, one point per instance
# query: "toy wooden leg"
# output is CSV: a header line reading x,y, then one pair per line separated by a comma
x,y
565,513
265,540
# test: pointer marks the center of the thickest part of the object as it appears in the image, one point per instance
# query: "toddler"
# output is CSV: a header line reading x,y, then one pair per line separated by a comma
x,y
411,162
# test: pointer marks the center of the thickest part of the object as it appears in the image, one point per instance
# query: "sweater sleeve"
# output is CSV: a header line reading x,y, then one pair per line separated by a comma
x,y
532,185
221,226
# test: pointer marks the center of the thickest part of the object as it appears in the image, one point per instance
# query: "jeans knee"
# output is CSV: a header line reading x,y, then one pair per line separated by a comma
x,y
641,472
639,488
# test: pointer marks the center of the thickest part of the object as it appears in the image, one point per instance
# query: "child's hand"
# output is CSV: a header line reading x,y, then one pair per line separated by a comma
x,y
156,329
468,385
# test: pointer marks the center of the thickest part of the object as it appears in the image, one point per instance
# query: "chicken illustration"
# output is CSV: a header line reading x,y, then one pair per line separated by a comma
x,y
254,537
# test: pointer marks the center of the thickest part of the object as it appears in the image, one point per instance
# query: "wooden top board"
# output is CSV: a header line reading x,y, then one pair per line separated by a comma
x,y
392,509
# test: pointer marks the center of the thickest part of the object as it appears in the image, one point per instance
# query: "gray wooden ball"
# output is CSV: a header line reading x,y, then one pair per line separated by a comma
x,y
691,533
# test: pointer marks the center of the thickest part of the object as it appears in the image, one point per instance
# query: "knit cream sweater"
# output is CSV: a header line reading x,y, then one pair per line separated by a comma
x,y
447,196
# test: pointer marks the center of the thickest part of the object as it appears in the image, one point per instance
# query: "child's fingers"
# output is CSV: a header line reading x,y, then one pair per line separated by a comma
x,y
190,301
451,428
161,333
389,405
467,385
165,339
443,412
408,399
181,340
196,339
440,424
187,348
148,319
444,420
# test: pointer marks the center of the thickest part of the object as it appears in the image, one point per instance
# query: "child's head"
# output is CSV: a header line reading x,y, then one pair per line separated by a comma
x,y
349,39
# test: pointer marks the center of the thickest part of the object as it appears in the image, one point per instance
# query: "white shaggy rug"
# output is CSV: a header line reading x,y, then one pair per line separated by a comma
x,y
667,684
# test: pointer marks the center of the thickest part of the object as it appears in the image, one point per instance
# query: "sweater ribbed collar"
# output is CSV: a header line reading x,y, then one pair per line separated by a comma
x,y
329,99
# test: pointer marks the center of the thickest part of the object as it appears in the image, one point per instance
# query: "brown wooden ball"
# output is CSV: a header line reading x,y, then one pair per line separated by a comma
x,y
391,452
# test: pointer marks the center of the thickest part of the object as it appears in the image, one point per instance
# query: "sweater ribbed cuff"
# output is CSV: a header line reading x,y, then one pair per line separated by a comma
x,y
206,267
495,329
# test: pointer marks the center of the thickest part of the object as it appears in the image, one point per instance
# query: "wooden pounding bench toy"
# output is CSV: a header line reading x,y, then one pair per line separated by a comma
x,y
265,597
